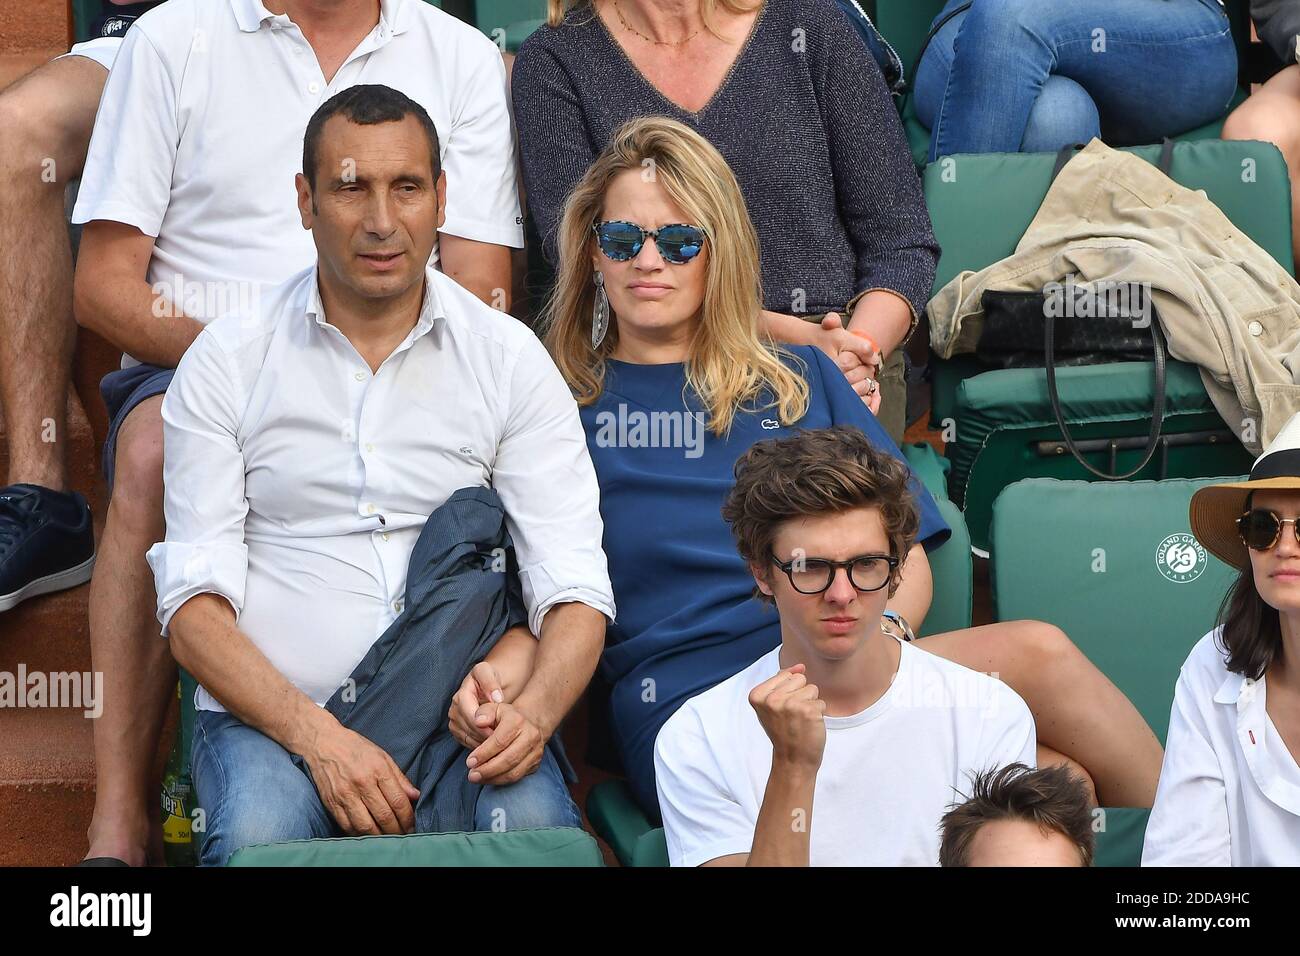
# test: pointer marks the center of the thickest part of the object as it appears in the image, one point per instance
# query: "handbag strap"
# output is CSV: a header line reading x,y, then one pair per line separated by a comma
x,y
1157,410
1066,153
938,25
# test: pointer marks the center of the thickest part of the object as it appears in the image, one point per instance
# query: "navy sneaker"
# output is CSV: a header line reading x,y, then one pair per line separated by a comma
x,y
47,542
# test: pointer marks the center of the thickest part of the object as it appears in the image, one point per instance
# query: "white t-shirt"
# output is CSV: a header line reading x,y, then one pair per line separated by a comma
x,y
200,130
888,774
1229,792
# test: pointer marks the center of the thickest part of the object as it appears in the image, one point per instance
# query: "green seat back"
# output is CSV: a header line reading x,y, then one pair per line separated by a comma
x,y
509,22
950,567
904,24
554,846
1086,556
981,206
1119,837
618,818
1002,416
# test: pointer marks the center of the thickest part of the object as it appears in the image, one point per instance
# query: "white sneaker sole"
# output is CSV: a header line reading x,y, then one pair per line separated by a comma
x,y
59,581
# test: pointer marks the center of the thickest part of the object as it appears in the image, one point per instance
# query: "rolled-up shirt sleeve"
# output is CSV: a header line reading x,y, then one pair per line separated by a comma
x,y
203,472
545,478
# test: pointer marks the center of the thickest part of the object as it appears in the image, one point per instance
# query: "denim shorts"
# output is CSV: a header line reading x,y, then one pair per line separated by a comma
x,y
122,391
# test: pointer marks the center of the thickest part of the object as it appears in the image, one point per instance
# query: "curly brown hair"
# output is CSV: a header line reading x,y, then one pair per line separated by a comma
x,y
1052,797
817,472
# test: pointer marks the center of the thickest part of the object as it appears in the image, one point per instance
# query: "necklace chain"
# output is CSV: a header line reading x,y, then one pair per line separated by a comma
x,y
681,42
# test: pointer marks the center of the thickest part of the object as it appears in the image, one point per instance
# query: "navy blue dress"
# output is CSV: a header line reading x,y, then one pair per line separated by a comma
x,y
687,617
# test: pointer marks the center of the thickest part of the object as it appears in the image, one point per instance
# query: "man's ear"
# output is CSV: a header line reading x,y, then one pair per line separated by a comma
x,y
304,199
441,189
761,579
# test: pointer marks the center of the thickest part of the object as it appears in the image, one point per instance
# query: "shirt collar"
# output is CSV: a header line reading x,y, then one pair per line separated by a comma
x,y
1230,690
431,310
250,15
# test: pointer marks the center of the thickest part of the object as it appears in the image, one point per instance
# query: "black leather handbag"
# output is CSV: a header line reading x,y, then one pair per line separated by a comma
x,y
1068,324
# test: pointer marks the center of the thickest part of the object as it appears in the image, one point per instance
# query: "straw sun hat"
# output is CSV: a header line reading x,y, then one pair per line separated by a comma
x,y
1216,508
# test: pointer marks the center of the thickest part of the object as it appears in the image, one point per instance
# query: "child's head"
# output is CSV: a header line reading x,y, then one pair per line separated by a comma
x,y
817,497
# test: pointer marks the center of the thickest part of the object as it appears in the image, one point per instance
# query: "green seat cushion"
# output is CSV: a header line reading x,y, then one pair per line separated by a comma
x,y
1119,839
1002,415
950,567
1091,558
930,467
552,846
618,818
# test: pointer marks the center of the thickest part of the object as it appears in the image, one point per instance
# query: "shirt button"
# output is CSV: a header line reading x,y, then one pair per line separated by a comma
x,y
370,509
313,88
1255,328
369,447
384,535
397,606
360,376
297,51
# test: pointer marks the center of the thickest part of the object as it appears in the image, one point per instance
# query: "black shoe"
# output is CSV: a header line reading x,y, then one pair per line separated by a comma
x,y
47,542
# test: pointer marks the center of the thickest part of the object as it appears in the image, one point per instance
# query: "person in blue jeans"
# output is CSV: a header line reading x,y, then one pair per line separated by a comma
x,y
1005,76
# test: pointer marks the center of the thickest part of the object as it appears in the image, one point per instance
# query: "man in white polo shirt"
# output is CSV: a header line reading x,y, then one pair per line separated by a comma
x,y
845,745
308,440
189,213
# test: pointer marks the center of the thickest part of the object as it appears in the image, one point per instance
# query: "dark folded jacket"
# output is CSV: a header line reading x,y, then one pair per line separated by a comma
x,y
462,594
1277,22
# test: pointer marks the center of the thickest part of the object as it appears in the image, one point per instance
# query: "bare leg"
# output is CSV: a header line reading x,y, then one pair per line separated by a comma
x,y
1272,114
45,124
125,643
1079,712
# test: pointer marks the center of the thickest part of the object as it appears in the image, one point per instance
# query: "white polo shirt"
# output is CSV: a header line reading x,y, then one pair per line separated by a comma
x,y
298,481
199,135
1229,792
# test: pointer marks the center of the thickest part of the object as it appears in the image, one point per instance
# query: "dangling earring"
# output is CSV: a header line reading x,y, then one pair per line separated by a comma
x,y
599,313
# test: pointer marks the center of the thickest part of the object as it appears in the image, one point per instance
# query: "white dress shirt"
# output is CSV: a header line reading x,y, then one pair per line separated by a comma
x,y
297,481
1229,792
200,130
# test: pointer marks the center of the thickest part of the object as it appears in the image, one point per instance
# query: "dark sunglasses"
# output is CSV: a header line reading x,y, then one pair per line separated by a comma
x,y
619,240
867,572
1261,529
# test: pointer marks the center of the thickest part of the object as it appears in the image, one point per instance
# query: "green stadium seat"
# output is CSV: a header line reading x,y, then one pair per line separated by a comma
x,y
981,206
554,846
1089,558
509,22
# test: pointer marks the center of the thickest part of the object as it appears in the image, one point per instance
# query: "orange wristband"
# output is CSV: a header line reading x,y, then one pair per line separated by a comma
x,y
872,342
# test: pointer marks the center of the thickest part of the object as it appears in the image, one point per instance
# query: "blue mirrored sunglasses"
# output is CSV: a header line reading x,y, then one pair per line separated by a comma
x,y
678,243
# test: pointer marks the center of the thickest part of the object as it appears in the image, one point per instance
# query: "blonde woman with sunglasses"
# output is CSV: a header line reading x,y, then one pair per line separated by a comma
x,y
654,323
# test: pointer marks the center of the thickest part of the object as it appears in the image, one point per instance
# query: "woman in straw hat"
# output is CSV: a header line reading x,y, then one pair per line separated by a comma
x,y
1229,792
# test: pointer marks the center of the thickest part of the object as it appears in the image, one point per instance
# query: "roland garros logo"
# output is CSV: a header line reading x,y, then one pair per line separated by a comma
x,y
1180,558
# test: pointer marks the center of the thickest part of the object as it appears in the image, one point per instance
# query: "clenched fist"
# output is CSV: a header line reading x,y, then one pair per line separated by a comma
x,y
791,712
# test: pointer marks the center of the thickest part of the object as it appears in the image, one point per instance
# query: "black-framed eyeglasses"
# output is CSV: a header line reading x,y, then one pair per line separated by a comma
x,y
1261,529
620,240
867,572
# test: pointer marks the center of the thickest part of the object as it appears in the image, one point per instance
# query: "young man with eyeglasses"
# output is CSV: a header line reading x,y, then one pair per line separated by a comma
x,y
846,744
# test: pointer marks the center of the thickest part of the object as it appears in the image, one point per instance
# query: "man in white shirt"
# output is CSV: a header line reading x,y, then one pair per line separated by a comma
x,y
845,745
307,443
189,214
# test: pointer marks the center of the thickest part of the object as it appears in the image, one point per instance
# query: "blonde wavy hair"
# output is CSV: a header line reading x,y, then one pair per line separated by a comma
x,y
557,10
731,362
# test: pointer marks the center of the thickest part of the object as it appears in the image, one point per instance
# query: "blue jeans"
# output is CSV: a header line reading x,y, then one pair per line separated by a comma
x,y
251,792
1011,76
